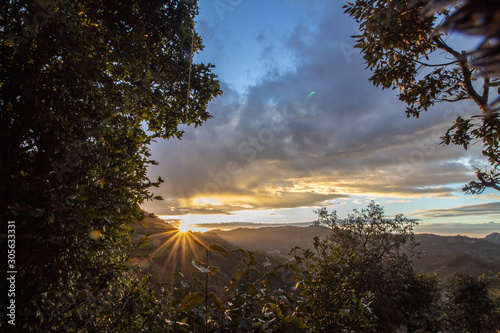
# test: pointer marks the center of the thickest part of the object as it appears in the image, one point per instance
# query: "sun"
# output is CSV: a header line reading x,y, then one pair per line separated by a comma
x,y
184,227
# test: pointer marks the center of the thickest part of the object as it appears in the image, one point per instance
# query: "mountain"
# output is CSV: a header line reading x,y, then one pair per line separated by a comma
x,y
283,239
167,251
171,251
456,245
443,255
279,240
493,238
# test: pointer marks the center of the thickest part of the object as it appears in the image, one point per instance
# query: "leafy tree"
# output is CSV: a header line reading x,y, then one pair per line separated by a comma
x,y
369,232
381,250
404,50
330,300
468,307
85,87
424,311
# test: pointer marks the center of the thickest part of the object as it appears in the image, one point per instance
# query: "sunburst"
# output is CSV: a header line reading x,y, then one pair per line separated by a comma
x,y
173,245
184,227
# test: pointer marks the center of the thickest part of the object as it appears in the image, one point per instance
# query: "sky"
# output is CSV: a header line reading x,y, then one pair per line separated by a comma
x,y
299,126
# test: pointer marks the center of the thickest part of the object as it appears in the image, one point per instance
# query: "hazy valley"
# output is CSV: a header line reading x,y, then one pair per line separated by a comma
x,y
442,255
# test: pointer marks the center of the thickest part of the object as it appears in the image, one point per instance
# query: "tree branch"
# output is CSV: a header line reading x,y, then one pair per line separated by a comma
x,y
492,84
487,183
450,100
426,64
486,90
466,71
436,65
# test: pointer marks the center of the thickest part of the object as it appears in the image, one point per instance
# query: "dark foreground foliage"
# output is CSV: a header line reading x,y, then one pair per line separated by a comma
x,y
85,86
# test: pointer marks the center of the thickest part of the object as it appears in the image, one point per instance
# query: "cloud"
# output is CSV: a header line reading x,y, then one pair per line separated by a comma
x,y
491,209
235,225
479,230
279,146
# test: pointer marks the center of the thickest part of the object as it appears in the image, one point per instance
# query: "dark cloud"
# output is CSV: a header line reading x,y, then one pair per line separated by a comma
x,y
278,145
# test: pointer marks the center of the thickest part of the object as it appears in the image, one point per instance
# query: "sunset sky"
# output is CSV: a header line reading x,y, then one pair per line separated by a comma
x,y
299,126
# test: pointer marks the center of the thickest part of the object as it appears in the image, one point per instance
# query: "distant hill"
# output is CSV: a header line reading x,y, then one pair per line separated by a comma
x,y
443,255
273,239
283,239
454,245
494,238
171,251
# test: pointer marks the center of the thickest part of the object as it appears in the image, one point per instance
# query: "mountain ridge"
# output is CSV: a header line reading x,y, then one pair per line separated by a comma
x,y
443,255
493,237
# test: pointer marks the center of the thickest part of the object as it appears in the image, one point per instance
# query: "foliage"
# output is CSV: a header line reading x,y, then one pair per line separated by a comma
x,y
403,49
381,251
254,302
360,286
85,87
331,302
369,232
468,307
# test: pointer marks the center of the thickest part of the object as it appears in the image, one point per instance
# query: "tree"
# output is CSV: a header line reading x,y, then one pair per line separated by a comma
x,y
381,250
404,50
330,300
85,87
468,307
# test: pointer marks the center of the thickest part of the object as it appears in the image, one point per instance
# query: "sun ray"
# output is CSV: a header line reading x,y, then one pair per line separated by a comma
x,y
184,227
172,247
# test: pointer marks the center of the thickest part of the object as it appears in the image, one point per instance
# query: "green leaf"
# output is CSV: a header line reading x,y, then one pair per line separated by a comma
x,y
274,308
238,275
217,301
295,267
191,301
197,243
219,248
251,259
255,270
213,270
251,289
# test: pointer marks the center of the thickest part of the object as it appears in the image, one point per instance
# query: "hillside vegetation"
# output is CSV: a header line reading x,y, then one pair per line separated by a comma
x,y
168,251
443,255
268,261
279,240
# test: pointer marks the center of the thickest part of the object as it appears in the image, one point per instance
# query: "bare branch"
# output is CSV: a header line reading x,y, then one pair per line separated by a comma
x,y
467,73
424,63
458,99
436,65
492,84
